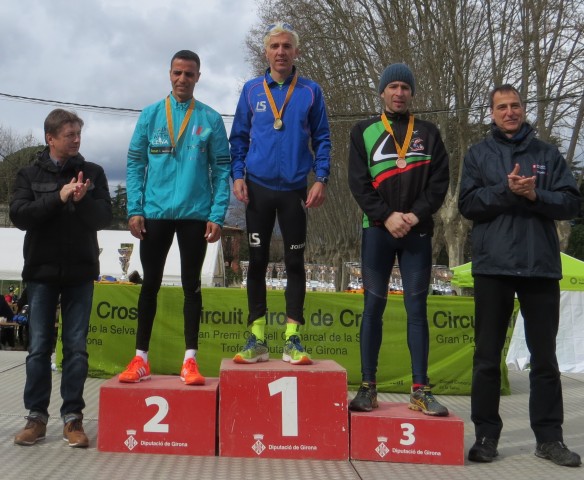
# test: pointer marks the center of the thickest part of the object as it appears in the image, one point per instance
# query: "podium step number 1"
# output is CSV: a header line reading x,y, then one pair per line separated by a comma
x,y
277,410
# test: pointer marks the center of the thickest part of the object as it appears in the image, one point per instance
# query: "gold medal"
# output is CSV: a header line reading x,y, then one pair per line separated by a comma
x,y
401,163
278,123
183,126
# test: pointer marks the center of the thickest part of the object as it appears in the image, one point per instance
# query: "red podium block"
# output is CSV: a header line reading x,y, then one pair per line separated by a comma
x,y
277,410
158,416
394,433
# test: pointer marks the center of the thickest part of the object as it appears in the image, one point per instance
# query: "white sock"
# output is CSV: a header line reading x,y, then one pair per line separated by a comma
x,y
143,354
192,353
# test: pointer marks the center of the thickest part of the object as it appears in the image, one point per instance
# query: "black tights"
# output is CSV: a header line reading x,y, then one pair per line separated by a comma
x,y
263,208
153,251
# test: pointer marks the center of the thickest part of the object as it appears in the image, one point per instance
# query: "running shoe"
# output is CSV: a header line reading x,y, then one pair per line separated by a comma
x,y
136,371
254,351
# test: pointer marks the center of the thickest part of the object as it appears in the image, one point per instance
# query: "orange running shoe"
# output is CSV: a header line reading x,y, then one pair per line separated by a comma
x,y
190,373
136,371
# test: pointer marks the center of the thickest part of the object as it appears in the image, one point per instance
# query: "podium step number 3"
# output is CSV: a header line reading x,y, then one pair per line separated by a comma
x,y
394,433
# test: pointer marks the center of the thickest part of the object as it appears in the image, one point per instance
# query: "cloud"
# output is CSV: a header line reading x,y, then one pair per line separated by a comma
x,y
115,53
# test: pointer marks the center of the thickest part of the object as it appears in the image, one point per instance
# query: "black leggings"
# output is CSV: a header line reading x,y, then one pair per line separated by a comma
x,y
153,251
261,212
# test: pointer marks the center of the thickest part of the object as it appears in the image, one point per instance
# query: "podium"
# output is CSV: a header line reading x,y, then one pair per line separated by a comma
x,y
270,410
158,416
394,433
277,410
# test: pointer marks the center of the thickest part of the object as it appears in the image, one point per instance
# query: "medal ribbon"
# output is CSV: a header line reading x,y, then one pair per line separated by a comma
x,y
184,124
278,113
401,151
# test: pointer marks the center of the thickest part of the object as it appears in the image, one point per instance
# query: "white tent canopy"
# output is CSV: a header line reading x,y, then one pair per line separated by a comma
x,y
11,259
570,338
569,341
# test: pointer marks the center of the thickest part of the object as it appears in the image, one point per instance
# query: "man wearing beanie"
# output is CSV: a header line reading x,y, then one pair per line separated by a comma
x,y
398,174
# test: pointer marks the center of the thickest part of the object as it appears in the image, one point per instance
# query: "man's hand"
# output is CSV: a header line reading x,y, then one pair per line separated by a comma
x,y
521,185
75,189
240,190
213,232
316,195
399,224
137,226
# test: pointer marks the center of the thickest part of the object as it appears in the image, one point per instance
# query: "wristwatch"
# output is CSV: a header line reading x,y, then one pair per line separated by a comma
x,y
322,180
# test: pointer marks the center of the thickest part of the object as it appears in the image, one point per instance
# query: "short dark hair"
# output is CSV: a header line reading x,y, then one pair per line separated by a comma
x,y
186,55
58,118
507,87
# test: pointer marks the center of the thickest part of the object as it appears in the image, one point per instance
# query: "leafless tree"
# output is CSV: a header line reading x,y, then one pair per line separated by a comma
x,y
458,50
15,152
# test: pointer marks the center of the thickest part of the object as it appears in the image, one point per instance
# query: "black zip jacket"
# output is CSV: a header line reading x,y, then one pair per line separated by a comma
x,y
512,235
380,187
60,245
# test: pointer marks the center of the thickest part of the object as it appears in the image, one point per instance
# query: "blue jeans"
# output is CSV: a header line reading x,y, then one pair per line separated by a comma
x,y
414,254
76,304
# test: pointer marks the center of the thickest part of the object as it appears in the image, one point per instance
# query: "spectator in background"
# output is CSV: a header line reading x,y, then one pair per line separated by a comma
x,y
7,337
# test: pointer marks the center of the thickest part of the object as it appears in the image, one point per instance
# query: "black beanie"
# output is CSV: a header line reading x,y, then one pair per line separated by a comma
x,y
397,72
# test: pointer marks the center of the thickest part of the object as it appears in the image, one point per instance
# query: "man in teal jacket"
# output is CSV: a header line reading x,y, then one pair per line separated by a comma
x,y
177,182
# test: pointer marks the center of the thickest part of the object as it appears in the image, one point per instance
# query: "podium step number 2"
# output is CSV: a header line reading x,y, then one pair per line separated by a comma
x,y
159,416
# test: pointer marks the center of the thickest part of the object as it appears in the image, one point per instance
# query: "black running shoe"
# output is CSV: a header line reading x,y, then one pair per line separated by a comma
x,y
366,398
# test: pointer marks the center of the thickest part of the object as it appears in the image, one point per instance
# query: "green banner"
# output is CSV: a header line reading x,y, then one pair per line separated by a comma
x,y
331,332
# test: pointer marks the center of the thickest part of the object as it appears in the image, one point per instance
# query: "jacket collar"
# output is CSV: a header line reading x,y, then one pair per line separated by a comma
x,y
270,80
525,133
43,160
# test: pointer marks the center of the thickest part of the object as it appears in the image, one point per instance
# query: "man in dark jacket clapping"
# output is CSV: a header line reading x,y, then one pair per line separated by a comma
x,y
514,187
61,201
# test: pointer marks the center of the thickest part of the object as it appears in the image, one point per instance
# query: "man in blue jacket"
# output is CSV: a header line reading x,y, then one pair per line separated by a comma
x,y
514,187
280,133
61,201
177,182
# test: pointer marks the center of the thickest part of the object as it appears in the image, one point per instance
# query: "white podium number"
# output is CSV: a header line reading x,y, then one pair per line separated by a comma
x,y
154,425
408,434
287,386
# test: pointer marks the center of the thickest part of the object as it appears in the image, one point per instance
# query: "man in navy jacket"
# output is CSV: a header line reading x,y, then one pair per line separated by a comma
x,y
514,187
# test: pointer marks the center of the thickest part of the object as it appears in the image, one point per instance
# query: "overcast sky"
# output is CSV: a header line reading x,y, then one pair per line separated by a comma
x,y
115,53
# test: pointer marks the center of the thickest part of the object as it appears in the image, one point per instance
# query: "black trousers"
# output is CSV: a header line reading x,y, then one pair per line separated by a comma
x,y
154,249
539,301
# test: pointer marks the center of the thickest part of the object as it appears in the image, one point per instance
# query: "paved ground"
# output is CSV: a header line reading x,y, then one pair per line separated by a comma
x,y
53,459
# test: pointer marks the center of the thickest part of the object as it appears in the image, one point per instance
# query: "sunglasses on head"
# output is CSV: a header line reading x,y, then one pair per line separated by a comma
x,y
285,26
